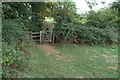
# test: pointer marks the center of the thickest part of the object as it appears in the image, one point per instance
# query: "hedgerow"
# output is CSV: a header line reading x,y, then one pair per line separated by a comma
x,y
15,54
85,34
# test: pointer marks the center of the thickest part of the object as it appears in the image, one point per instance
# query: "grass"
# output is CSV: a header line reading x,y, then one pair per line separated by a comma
x,y
77,61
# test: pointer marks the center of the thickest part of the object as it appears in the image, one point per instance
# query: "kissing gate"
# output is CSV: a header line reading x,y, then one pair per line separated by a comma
x,y
46,35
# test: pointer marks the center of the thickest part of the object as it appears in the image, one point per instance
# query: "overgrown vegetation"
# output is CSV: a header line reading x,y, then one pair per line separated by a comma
x,y
99,27
15,43
94,28
86,35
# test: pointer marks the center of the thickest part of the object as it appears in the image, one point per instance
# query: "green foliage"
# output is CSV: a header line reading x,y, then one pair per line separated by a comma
x,y
16,41
66,32
93,28
95,35
12,10
103,18
31,14
64,12
116,5
12,60
89,35
14,33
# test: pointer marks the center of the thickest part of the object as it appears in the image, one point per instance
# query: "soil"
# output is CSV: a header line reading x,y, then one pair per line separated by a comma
x,y
50,50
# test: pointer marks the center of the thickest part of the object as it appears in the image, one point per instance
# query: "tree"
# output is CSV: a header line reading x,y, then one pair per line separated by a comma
x,y
116,5
103,18
91,4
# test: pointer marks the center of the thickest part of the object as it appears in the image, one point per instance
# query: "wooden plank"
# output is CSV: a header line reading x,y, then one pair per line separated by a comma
x,y
35,36
35,33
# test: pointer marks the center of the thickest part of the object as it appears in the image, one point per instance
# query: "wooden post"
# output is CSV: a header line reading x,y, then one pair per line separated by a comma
x,y
40,36
53,38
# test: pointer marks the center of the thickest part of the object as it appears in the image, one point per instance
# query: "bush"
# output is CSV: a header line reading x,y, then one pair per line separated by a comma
x,y
16,42
95,35
14,32
66,32
111,35
88,35
12,61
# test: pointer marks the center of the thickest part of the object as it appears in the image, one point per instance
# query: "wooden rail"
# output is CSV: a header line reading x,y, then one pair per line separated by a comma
x,y
39,37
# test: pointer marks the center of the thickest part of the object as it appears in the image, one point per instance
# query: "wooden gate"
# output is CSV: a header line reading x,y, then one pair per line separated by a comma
x,y
43,36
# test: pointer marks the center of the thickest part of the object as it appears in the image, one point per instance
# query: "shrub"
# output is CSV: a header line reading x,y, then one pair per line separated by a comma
x,y
16,42
111,35
14,32
97,36
66,32
88,35
12,61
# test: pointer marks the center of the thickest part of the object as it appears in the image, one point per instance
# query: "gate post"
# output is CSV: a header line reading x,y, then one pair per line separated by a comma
x,y
40,36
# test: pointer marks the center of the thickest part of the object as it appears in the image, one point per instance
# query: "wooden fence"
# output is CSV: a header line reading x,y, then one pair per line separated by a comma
x,y
39,37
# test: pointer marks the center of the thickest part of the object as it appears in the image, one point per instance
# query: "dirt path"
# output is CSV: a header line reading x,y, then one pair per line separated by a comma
x,y
50,50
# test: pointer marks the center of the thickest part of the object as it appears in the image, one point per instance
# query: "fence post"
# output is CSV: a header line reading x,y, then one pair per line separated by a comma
x,y
40,36
53,37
